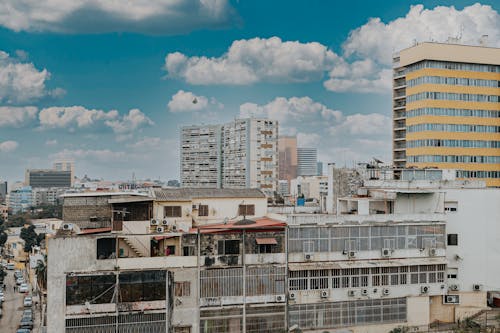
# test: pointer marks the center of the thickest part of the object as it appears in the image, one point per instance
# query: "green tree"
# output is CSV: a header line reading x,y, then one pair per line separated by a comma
x,y
30,237
3,234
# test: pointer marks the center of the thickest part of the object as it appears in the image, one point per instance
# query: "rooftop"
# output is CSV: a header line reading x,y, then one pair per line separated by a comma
x,y
187,194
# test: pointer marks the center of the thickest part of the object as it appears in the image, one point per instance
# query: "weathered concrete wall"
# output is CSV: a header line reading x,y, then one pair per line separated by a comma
x,y
80,210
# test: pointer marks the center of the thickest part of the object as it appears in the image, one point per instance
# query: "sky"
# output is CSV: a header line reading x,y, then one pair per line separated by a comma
x,y
108,84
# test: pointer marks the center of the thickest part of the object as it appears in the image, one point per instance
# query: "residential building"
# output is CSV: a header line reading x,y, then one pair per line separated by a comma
x,y
250,154
46,196
48,178
240,154
311,187
283,187
4,212
446,107
3,191
287,151
65,165
20,199
307,162
201,156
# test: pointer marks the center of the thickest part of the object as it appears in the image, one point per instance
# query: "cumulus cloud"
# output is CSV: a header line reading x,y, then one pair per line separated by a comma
x,y
254,60
78,116
14,116
8,146
130,122
364,124
289,109
186,101
307,140
101,155
141,16
147,143
51,142
22,82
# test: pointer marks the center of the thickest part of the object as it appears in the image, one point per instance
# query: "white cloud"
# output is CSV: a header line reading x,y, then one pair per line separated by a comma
x,y
186,101
363,124
378,40
254,60
16,116
130,122
142,16
147,143
101,155
286,110
79,116
51,142
22,82
8,146
308,140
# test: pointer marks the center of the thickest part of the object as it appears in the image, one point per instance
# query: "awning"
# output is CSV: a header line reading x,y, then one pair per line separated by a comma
x,y
162,237
266,241
367,263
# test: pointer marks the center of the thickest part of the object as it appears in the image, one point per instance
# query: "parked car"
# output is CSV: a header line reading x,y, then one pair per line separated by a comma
x,y
20,281
28,313
23,330
10,266
23,288
28,302
26,323
1,313
2,296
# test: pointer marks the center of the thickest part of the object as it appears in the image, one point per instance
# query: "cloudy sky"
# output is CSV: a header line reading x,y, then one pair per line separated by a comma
x,y
109,83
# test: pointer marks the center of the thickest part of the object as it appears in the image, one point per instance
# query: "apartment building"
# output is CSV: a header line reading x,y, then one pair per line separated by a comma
x,y
287,150
240,154
446,109
201,156
307,162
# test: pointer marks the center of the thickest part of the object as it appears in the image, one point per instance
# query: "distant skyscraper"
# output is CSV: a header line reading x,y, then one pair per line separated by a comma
x,y
3,190
20,200
240,154
65,165
287,150
320,168
446,108
47,178
201,156
307,162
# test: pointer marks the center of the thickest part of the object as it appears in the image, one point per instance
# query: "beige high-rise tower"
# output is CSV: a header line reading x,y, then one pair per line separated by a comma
x,y
446,109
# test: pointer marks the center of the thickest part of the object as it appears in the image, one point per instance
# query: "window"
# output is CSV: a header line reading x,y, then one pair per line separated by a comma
x,y
182,329
244,210
142,286
203,210
106,248
182,288
189,251
173,211
452,239
96,289
228,246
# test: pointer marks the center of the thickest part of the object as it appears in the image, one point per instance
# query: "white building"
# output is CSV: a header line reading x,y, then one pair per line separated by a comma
x,y
307,162
201,156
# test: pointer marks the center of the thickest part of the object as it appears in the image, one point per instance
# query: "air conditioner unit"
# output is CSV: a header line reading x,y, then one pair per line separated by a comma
x,y
195,207
160,229
364,292
292,295
280,298
386,252
386,291
67,226
351,254
164,222
424,289
308,256
477,287
454,287
351,293
174,227
451,299
432,252
324,294
154,222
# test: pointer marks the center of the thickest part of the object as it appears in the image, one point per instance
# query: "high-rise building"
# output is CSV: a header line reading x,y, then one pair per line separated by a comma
x,y
446,109
47,178
65,165
250,154
240,154
307,162
201,156
3,190
287,151
20,199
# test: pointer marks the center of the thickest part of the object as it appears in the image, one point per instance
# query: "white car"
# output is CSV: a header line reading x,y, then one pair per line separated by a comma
x,y
28,302
2,296
23,288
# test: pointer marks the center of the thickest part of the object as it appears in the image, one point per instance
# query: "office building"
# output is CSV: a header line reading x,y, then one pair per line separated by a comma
x,y
446,109
201,156
240,154
20,199
48,178
320,168
65,165
287,151
307,162
3,191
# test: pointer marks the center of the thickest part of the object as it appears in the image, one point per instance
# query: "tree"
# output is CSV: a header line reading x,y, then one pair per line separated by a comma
x,y
3,234
30,237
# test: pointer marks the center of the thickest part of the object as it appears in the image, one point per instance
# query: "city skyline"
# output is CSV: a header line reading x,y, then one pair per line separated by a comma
x,y
113,98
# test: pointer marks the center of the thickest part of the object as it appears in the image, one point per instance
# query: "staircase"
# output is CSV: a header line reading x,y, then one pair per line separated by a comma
x,y
134,243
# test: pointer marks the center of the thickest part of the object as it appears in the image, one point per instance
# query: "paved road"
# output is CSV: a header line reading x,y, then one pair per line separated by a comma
x,y
12,307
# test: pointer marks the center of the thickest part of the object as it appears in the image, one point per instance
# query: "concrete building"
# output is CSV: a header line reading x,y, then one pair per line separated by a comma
x,y
201,156
48,178
65,165
20,199
446,106
287,151
307,162
240,154
250,154
3,191
320,168
311,187
46,196
4,212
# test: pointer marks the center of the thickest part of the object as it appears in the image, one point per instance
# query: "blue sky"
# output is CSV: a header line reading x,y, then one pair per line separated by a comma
x,y
109,85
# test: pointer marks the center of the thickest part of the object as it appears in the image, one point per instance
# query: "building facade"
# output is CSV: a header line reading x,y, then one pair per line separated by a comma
x,y
446,109
287,150
65,165
307,161
20,199
3,191
48,178
201,156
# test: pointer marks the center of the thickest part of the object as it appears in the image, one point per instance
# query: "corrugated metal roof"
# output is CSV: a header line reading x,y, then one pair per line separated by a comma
x,y
130,199
187,194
